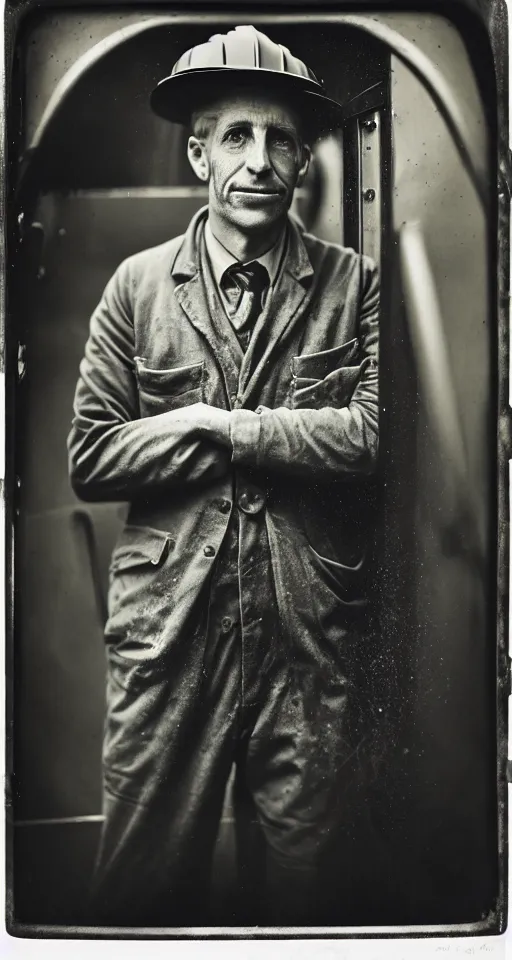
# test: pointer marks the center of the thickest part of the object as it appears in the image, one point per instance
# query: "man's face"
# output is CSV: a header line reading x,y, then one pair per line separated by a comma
x,y
255,159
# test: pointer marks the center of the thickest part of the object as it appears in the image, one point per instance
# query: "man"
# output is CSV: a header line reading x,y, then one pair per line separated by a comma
x,y
229,393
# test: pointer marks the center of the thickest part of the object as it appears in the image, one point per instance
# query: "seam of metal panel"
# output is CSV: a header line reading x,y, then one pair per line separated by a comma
x,y
59,821
147,193
87,818
139,193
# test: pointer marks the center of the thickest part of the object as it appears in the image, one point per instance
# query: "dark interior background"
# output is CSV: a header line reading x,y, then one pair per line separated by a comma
x,y
109,178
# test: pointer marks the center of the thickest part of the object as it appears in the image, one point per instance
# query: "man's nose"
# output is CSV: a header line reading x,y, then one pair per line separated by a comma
x,y
258,159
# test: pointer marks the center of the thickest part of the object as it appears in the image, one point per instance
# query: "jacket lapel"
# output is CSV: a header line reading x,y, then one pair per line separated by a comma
x,y
186,272
281,315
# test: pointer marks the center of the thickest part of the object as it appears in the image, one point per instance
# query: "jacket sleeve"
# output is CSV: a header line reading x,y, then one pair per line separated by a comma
x,y
329,442
114,454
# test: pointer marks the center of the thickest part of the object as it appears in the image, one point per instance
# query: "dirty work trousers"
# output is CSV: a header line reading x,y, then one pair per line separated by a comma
x,y
229,692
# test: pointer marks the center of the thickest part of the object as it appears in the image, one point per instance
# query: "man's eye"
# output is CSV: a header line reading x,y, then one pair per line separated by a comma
x,y
282,141
235,136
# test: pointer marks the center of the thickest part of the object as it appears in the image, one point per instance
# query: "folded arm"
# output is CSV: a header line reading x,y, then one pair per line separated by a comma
x,y
331,441
114,454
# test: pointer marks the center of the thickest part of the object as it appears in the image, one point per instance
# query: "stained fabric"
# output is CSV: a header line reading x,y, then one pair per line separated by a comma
x,y
238,585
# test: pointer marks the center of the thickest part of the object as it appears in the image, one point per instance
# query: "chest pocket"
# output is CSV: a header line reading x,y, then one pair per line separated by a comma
x,y
327,378
162,390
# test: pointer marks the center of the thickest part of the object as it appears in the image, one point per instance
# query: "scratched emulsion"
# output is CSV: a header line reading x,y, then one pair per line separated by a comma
x,y
418,798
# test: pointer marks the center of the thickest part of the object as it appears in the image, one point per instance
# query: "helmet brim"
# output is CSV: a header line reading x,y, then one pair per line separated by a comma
x,y
178,96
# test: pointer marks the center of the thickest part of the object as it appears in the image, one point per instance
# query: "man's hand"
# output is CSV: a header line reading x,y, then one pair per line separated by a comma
x,y
212,422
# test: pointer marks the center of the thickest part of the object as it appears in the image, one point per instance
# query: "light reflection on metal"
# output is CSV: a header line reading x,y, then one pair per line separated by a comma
x,y
436,385
60,821
441,92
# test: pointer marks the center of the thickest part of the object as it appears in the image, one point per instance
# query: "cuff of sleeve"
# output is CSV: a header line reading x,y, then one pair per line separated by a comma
x,y
245,436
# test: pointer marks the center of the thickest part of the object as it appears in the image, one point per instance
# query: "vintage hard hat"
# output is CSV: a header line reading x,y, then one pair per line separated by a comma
x,y
243,57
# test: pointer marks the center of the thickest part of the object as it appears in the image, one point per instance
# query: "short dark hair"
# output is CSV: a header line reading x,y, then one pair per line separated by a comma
x,y
203,122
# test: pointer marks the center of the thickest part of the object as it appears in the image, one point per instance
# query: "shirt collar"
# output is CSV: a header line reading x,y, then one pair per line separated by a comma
x,y
221,258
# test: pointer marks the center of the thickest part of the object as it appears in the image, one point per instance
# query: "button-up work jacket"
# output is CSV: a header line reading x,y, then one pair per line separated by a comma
x,y
304,402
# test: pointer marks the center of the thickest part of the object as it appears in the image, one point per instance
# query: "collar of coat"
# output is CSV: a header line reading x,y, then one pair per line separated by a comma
x,y
186,262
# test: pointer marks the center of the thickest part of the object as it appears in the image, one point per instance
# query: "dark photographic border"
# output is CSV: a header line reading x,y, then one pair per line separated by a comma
x,y
483,27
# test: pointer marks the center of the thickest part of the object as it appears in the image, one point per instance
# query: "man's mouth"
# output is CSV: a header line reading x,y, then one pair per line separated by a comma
x,y
258,191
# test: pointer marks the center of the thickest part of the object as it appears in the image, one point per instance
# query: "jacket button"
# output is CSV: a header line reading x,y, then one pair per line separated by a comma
x,y
224,506
227,623
209,551
252,500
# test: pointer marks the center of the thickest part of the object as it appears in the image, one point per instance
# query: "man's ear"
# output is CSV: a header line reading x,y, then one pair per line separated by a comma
x,y
198,158
306,160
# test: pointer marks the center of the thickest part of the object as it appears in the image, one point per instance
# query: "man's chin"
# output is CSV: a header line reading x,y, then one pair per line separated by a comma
x,y
257,217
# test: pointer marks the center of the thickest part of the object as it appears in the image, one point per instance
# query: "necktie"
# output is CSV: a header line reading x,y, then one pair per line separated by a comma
x,y
249,283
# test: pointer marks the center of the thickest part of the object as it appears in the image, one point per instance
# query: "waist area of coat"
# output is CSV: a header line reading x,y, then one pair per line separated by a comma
x,y
242,601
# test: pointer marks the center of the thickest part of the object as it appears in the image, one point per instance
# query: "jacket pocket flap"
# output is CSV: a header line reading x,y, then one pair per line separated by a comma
x,y
336,389
140,545
318,365
346,582
174,380
342,568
